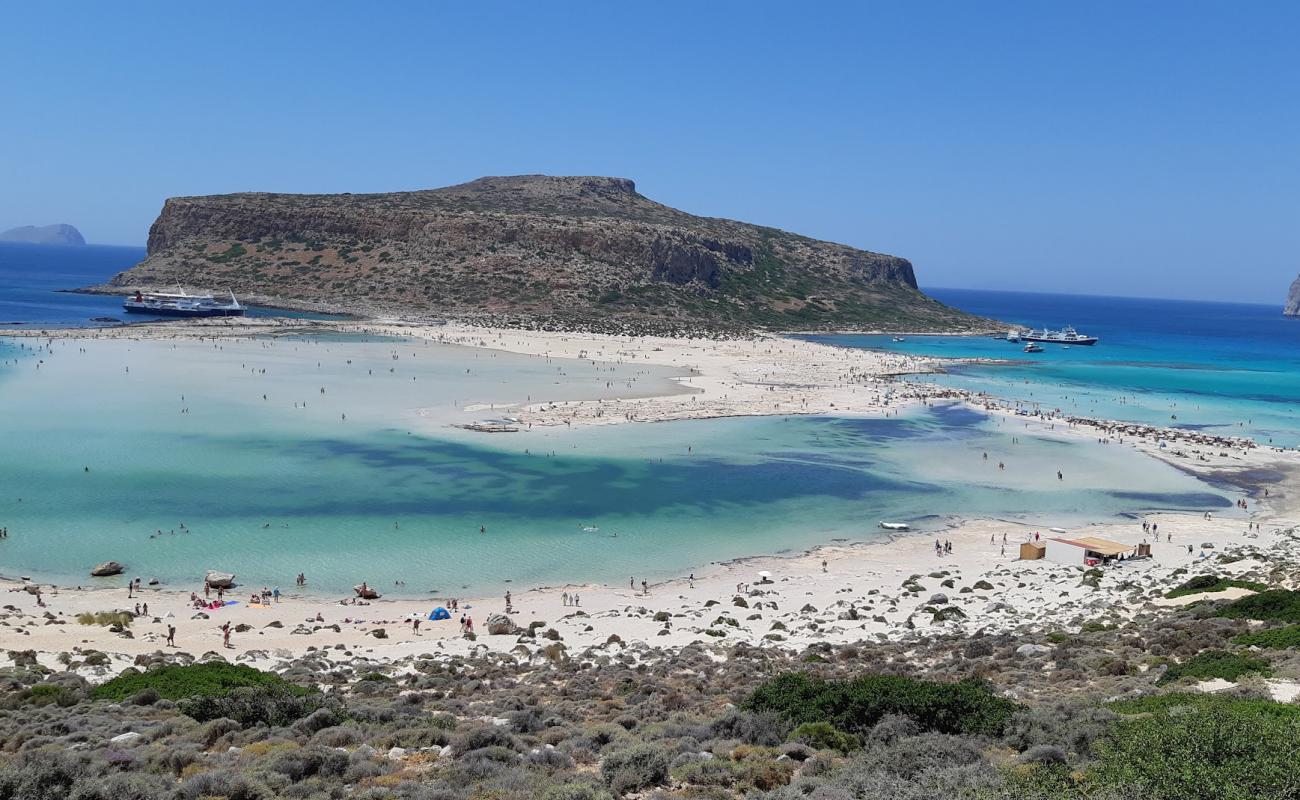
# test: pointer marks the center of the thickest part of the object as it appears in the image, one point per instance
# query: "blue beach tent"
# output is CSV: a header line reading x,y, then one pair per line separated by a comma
x,y
440,613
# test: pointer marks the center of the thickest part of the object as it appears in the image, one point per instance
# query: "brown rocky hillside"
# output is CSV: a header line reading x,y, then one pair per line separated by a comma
x,y
578,249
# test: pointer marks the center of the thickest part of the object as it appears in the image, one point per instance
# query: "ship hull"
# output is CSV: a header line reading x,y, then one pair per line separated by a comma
x,y
183,312
1086,341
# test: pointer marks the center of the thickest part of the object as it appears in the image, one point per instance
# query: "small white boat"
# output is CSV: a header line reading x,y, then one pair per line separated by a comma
x,y
1032,348
895,526
1013,335
898,338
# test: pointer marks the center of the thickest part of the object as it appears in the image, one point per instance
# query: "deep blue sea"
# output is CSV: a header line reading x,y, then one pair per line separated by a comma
x,y
34,279
1229,368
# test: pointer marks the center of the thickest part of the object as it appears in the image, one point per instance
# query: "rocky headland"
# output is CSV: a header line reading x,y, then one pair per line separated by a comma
x,y
1292,306
559,251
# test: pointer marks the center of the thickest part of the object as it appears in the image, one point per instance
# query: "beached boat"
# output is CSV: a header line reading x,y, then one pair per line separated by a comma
x,y
181,304
1066,335
895,526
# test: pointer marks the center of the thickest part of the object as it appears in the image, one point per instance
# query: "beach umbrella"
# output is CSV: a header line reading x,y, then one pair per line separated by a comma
x,y
764,574
415,615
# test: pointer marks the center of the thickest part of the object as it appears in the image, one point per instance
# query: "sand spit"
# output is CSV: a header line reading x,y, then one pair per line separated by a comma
x,y
836,593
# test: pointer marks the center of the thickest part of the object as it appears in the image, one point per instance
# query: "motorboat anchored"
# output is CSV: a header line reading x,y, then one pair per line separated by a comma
x,y
181,304
1032,348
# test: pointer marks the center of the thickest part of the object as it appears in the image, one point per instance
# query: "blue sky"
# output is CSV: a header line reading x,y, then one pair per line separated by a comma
x,y
1148,148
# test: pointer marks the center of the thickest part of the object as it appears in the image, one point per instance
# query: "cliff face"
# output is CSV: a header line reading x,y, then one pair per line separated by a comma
x,y
46,234
567,247
1292,307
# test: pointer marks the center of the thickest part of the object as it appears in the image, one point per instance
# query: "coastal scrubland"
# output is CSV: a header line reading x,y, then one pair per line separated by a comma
x,y
1110,713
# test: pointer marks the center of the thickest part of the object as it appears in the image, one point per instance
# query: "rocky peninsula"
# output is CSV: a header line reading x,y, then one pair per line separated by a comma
x,y
567,251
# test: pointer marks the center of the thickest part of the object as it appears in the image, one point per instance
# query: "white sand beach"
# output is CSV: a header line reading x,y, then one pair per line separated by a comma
x,y
833,593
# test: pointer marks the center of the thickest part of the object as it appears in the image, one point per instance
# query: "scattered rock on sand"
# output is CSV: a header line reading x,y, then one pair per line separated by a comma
x,y
219,580
106,569
500,625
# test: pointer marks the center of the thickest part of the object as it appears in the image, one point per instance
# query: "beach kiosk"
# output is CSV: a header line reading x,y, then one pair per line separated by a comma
x,y
1086,551
1032,551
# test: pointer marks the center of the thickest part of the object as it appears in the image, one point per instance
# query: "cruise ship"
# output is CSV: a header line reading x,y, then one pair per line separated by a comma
x,y
1066,335
163,304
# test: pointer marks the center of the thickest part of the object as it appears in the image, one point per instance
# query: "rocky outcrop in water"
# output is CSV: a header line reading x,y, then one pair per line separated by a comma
x,y
1292,307
46,234
579,248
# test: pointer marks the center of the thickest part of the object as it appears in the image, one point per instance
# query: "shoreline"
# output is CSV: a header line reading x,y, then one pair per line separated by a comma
x,y
853,587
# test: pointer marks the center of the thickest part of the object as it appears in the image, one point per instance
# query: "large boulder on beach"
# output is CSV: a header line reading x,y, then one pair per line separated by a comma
x,y
501,625
219,580
106,569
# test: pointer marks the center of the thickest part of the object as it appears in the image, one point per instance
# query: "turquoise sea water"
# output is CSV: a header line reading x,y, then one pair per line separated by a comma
x,y
1227,368
337,457
108,442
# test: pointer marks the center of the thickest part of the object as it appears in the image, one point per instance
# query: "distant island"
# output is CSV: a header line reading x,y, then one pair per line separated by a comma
x,y
546,250
1292,307
45,234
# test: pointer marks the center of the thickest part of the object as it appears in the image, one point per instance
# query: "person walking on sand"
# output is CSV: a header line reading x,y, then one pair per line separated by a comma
x,y
645,587
823,565
415,625
171,635
225,634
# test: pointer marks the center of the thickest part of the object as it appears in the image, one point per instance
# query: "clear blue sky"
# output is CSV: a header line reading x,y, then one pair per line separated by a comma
x,y
1138,148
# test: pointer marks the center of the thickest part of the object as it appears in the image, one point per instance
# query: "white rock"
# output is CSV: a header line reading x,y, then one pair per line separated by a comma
x,y
126,738
1030,650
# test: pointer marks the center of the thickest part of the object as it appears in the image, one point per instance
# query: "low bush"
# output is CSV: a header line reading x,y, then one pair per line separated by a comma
x,y
1215,664
825,736
119,618
255,705
1278,604
1214,748
967,706
635,768
1212,583
177,682
1272,639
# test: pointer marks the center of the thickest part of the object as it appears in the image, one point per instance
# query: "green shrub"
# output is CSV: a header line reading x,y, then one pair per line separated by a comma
x,y
635,768
1215,664
1279,604
177,682
1158,703
1212,583
1216,748
968,706
1274,639
825,736
254,705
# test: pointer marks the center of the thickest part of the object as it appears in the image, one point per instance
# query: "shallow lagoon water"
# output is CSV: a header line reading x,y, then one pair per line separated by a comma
x,y
1226,368
267,489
